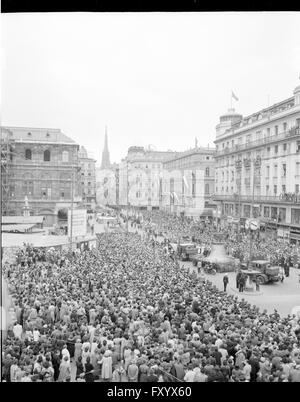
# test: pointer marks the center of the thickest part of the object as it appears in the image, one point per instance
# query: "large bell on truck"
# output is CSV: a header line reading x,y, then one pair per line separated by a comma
x,y
219,257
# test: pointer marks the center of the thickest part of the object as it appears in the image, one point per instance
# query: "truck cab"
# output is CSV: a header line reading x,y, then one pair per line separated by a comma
x,y
264,272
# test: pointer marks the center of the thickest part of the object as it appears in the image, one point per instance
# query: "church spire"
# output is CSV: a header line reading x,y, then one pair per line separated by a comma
x,y
105,164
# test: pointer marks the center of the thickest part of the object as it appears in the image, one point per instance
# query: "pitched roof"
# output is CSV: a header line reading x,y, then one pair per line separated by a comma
x,y
33,134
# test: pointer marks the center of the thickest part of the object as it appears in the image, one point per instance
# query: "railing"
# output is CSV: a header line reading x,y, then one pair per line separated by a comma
x,y
290,198
263,141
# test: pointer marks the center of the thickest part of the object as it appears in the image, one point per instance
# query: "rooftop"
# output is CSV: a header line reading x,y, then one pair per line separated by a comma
x,y
33,134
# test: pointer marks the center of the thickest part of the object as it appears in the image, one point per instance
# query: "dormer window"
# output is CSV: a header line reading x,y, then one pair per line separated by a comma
x,y
47,135
29,134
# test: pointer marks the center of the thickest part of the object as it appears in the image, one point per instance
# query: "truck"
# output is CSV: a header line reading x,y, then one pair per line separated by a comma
x,y
262,271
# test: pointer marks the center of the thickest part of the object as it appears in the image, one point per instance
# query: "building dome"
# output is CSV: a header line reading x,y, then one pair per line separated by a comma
x,y
231,116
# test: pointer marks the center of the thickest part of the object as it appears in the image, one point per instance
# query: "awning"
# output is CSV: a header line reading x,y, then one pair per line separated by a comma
x,y
22,220
21,228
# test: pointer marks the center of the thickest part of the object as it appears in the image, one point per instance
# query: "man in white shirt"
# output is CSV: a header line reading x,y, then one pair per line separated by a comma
x,y
190,374
17,330
36,335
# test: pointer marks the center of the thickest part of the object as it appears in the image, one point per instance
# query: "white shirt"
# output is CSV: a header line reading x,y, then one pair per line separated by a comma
x,y
189,377
36,335
18,331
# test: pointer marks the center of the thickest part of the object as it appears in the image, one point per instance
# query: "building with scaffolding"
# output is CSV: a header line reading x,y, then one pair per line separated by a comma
x,y
42,165
7,151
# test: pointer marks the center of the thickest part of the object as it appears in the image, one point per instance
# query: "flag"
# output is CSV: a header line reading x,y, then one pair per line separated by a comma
x,y
234,96
185,182
175,196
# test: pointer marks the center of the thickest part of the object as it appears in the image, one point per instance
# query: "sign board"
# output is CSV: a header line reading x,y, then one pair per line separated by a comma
x,y
79,218
254,224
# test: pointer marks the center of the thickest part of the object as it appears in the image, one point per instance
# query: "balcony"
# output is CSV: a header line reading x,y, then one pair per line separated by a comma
x,y
238,164
289,198
247,162
293,132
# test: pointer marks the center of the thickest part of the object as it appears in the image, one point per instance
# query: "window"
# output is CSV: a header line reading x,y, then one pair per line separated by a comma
x,y
267,171
284,170
65,156
267,189
268,132
206,188
28,187
275,171
295,217
207,171
297,188
28,154
284,126
276,130
266,212
283,188
284,147
282,215
47,155
207,158
193,185
276,149
275,189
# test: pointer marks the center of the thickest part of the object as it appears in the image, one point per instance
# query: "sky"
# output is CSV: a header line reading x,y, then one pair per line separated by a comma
x,y
151,78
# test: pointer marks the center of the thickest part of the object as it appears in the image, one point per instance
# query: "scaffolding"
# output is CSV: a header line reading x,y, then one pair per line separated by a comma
x,y
7,151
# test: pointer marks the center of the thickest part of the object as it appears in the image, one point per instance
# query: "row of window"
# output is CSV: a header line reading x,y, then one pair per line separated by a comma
x,y
258,153
268,190
268,132
274,213
47,155
283,172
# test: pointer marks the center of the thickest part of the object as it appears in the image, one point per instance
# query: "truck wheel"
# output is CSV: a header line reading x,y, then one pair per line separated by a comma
x,y
261,280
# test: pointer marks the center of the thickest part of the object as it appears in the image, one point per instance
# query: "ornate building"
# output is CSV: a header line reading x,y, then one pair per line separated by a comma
x,y
257,171
87,179
139,175
188,182
44,167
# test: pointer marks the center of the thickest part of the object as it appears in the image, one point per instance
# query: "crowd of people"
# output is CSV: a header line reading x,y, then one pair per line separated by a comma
x,y
126,311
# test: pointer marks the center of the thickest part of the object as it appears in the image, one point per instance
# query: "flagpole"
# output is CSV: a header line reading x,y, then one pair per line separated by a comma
x,y
231,100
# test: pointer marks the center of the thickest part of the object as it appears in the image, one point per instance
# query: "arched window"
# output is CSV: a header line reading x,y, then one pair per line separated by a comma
x,y
28,154
65,156
207,171
206,188
47,155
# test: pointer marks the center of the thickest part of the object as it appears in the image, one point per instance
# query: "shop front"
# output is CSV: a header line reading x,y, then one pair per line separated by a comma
x,y
295,234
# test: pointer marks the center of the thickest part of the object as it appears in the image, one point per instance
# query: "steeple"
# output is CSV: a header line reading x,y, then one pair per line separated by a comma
x,y
105,164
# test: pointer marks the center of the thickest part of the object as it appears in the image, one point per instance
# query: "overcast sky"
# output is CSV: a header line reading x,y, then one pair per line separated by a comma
x,y
152,78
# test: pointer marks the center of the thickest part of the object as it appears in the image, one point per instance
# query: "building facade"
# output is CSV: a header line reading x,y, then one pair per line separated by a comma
x,y
87,179
139,177
188,183
43,167
257,173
